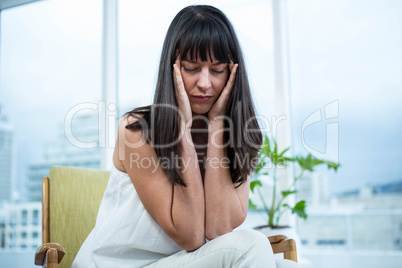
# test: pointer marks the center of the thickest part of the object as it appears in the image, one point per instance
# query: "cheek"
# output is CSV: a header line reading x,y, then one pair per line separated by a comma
x,y
221,83
186,82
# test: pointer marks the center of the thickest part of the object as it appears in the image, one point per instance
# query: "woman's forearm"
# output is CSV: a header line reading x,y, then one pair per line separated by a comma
x,y
188,208
223,208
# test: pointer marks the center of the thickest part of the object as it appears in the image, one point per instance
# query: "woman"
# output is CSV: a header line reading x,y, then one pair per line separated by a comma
x,y
182,166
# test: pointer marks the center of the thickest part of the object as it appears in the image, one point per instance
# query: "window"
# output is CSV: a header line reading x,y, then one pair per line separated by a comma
x,y
24,217
57,54
330,242
35,217
345,56
47,67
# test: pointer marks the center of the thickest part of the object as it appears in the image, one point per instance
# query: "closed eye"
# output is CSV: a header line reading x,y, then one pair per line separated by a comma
x,y
189,69
218,72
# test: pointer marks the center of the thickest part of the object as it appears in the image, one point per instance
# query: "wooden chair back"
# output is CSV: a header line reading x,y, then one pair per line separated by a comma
x,y
71,197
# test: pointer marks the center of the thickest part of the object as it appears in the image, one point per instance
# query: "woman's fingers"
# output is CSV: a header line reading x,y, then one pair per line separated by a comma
x,y
178,83
178,80
232,77
181,95
220,106
229,85
231,64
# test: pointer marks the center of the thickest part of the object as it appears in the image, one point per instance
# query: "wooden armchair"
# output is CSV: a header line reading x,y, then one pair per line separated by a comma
x,y
71,198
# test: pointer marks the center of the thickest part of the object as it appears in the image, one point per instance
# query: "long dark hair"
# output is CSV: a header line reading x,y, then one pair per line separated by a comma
x,y
192,33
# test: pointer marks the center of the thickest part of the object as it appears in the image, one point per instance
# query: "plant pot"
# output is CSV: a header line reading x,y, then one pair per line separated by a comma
x,y
288,231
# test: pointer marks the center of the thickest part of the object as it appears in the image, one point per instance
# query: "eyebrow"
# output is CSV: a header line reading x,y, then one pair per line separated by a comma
x,y
216,63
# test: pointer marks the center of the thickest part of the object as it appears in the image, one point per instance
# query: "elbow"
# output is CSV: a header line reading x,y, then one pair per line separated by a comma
x,y
213,232
191,239
214,229
188,240
193,243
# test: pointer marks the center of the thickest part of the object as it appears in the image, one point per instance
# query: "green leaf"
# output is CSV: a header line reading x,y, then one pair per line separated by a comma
x,y
251,205
300,209
286,193
332,165
266,148
317,162
309,162
268,143
281,160
260,166
284,151
255,183
275,147
289,159
304,163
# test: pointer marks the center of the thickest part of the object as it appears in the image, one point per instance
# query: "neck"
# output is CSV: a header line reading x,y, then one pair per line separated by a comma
x,y
199,122
199,129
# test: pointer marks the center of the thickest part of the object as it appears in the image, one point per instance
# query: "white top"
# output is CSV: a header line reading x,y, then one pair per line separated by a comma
x,y
125,235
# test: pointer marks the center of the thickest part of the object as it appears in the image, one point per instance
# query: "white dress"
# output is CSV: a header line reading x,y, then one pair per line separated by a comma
x,y
125,235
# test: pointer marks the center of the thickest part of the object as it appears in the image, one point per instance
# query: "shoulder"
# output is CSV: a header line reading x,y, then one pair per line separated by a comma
x,y
130,140
125,133
129,119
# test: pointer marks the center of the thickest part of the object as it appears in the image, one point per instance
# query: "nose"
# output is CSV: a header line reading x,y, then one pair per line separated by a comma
x,y
204,81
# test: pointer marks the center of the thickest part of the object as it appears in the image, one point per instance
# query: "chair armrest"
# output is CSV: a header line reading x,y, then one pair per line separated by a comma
x,y
49,254
282,244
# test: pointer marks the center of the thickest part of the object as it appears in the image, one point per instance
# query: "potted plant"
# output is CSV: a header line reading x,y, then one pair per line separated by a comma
x,y
269,154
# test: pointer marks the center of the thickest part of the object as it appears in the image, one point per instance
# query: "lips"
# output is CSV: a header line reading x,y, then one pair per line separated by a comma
x,y
202,98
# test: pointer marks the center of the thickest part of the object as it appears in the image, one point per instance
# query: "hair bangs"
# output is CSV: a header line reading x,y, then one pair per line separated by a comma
x,y
205,40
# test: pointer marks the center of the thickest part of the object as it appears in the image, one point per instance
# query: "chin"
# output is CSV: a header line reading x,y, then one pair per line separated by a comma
x,y
200,110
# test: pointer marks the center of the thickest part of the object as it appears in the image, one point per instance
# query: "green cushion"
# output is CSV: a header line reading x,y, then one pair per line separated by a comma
x,y
74,198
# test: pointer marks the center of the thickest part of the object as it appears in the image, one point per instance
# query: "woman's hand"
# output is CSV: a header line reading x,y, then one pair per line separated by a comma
x,y
219,108
181,97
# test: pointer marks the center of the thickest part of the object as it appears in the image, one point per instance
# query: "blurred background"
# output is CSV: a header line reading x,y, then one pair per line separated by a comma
x,y
77,63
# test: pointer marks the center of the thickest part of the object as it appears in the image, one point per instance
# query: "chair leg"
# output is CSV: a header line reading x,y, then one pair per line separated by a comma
x,y
290,255
49,254
51,259
281,244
